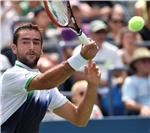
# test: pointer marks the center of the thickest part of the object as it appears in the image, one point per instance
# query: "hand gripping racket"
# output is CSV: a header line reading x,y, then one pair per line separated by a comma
x,y
60,13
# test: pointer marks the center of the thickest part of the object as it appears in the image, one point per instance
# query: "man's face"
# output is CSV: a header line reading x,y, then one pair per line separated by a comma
x,y
28,48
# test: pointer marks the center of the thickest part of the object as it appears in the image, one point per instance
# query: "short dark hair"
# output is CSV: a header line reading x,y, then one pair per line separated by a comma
x,y
27,26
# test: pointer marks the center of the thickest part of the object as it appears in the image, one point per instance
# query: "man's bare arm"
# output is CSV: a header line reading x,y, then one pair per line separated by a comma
x,y
80,115
60,73
52,77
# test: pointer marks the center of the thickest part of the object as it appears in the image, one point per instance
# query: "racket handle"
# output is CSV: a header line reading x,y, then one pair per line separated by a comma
x,y
84,39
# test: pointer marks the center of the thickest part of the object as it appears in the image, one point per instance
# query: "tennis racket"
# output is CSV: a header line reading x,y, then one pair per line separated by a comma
x,y
60,13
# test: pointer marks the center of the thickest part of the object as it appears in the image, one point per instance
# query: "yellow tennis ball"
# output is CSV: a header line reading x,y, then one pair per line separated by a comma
x,y
136,23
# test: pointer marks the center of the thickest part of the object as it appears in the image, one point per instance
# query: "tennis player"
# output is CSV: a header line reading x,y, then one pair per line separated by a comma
x,y
26,94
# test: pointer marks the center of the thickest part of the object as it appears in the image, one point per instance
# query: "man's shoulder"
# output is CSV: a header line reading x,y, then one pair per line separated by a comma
x,y
15,69
12,72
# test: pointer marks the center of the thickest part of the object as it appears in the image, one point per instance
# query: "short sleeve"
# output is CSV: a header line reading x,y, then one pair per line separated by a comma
x,y
13,90
57,99
128,91
19,79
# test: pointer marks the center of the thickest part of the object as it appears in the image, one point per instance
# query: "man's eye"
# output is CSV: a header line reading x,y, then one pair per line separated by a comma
x,y
26,42
36,43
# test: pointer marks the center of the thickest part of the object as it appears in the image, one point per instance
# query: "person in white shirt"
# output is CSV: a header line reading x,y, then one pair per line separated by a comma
x,y
107,58
136,88
26,94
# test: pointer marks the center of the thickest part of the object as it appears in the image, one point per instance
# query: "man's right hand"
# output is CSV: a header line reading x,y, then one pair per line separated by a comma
x,y
92,74
89,51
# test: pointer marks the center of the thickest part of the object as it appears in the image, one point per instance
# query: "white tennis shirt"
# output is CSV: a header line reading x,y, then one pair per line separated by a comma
x,y
13,90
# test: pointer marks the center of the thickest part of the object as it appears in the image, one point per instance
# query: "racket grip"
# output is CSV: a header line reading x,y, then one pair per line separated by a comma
x,y
83,38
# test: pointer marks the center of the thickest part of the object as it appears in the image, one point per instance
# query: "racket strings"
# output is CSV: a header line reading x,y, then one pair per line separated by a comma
x,y
60,11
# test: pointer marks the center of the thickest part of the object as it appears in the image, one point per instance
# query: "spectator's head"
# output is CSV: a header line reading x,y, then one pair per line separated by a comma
x,y
118,10
33,3
127,39
78,91
27,44
41,18
98,30
141,61
116,19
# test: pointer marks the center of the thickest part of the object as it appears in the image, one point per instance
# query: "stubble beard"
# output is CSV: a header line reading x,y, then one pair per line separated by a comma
x,y
31,64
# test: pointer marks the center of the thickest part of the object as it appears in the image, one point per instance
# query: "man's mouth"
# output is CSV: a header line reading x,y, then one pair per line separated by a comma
x,y
31,53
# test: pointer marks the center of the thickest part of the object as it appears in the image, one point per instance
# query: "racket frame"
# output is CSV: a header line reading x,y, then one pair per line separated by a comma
x,y
83,38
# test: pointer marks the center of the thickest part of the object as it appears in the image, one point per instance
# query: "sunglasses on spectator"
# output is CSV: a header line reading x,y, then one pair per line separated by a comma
x,y
117,21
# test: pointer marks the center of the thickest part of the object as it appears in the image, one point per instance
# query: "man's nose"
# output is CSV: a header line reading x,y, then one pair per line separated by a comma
x,y
31,45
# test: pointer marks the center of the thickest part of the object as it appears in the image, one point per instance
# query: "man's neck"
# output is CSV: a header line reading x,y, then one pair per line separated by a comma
x,y
21,64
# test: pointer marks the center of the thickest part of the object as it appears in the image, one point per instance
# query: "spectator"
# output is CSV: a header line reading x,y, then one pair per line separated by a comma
x,y
78,91
10,11
29,6
127,42
116,21
100,9
41,19
50,34
136,88
107,57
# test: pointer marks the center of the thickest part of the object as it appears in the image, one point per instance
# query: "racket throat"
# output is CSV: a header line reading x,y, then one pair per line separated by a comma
x,y
75,27
78,32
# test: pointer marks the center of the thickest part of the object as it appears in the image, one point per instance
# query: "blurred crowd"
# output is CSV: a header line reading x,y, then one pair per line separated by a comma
x,y
123,57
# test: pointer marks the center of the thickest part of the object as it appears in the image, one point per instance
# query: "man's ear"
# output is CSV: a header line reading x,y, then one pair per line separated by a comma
x,y
14,48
